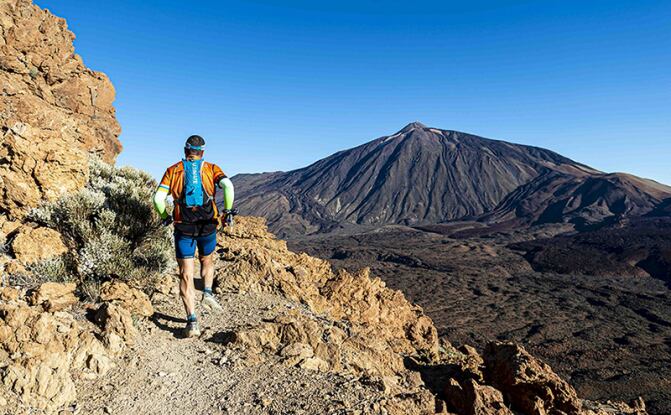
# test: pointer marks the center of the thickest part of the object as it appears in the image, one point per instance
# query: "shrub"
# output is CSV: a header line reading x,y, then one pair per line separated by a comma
x,y
110,228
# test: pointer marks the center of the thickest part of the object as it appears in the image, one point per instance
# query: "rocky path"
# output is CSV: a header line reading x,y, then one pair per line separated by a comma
x,y
166,374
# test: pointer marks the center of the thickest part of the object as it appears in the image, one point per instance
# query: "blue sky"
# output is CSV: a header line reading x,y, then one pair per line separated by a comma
x,y
276,85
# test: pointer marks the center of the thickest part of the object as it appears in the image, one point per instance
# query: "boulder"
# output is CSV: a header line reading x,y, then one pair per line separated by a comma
x,y
471,398
132,299
117,324
37,244
527,383
55,296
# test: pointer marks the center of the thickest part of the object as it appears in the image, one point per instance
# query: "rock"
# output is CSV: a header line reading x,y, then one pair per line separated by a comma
x,y
314,363
166,285
54,110
295,353
472,365
129,298
637,407
256,261
116,322
472,398
8,227
99,363
9,294
527,383
39,350
14,267
54,296
33,245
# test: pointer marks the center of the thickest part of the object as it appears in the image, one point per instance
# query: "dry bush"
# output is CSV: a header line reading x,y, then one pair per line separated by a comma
x,y
110,228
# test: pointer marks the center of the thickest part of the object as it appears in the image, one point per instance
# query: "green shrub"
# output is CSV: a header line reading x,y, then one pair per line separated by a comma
x,y
110,228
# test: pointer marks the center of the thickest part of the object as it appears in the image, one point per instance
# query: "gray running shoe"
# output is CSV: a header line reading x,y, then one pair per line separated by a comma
x,y
192,329
210,303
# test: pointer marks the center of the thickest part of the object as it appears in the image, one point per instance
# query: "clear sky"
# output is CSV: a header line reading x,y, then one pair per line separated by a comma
x,y
276,85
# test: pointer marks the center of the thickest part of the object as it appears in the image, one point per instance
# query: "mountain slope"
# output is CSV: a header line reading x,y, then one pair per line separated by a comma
x,y
584,201
417,175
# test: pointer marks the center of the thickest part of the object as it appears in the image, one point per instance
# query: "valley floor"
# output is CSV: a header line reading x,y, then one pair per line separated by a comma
x,y
610,337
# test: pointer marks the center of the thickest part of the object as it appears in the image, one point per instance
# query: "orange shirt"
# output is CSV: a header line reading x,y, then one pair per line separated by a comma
x,y
173,182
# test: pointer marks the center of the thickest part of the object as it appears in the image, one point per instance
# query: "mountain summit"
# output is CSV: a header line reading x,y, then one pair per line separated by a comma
x,y
422,175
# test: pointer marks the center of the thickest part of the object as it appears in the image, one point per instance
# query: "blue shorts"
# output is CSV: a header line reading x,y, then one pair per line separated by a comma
x,y
185,245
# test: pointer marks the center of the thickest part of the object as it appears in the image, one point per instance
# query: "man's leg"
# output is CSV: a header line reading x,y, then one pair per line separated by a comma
x,y
206,247
207,272
186,288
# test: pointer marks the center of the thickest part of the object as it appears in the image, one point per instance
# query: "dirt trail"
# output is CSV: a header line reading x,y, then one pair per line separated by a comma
x,y
166,374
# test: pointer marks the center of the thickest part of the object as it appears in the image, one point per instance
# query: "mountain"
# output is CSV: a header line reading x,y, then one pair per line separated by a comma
x,y
585,201
423,175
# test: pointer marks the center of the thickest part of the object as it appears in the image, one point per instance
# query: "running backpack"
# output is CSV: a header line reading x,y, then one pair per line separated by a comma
x,y
193,185
196,203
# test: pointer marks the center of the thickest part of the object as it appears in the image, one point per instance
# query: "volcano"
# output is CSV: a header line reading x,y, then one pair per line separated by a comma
x,y
421,175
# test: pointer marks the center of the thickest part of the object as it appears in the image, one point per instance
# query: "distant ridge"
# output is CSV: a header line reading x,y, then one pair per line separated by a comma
x,y
422,175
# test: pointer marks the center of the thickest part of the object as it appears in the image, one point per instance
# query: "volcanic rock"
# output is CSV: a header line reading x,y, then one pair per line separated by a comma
x,y
54,296
53,109
40,349
31,245
474,399
129,298
259,262
118,327
529,384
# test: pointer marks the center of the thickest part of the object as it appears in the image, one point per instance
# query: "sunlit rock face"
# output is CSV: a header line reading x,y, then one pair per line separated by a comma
x,y
54,110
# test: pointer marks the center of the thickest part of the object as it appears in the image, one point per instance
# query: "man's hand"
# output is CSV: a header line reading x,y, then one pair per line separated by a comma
x,y
167,221
230,214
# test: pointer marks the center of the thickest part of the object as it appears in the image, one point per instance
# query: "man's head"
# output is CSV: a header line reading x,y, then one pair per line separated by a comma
x,y
194,147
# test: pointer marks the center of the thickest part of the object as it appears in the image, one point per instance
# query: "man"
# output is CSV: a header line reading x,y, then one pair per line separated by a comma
x,y
191,183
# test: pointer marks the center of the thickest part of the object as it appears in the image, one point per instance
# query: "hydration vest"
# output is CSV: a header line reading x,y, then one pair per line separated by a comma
x,y
196,205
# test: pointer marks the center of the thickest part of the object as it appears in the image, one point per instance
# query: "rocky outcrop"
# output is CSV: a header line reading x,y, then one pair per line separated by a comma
x,y
259,262
472,398
53,296
53,109
373,312
43,348
39,351
31,245
132,299
117,324
349,323
529,384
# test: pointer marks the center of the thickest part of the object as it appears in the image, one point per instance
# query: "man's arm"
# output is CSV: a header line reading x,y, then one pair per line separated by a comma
x,y
226,185
229,192
161,195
